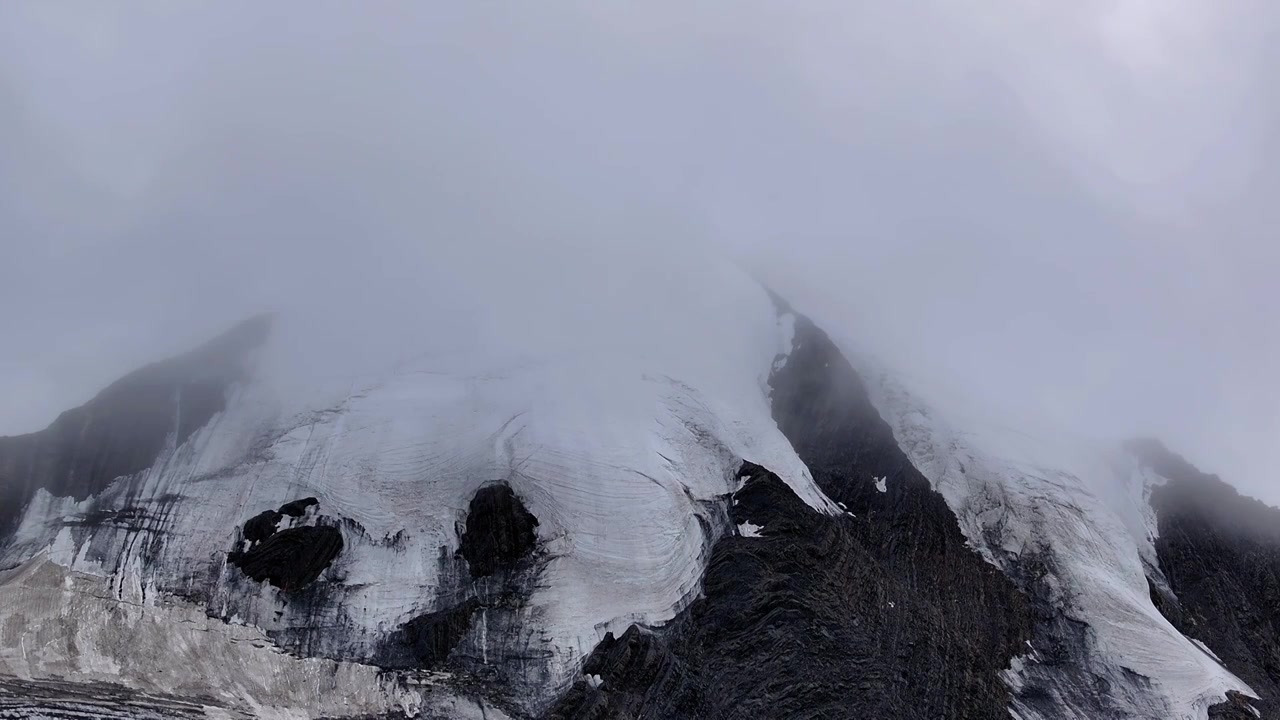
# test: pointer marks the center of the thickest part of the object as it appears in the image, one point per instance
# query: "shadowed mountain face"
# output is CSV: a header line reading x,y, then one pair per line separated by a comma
x,y
1220,555
122,430
882,611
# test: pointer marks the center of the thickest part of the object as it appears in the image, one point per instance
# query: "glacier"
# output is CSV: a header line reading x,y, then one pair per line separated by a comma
x,y
417,503
1021,495
616,450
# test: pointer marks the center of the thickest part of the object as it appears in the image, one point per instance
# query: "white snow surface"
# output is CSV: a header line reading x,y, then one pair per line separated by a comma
x,y
1080,503
614,406
1205,648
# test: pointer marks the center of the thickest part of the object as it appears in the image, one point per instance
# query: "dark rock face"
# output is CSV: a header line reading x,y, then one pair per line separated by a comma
x,y
1219,552
261,526
804,622
964,620
880,612
636,676
1237,707
289,559
821,404
298,508
500,531
487,581
430,638
122,430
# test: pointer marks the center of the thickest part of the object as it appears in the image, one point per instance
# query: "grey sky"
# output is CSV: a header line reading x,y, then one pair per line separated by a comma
x,y
1065,210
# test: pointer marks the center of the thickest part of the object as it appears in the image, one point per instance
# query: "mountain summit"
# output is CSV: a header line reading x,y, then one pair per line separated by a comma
x,y
677,498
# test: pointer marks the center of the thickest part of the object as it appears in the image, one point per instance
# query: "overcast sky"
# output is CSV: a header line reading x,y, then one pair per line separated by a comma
x,y
1067,210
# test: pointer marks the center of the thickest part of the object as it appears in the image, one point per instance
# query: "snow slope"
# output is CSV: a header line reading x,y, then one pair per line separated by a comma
x,y
1079,510
615,412
619,407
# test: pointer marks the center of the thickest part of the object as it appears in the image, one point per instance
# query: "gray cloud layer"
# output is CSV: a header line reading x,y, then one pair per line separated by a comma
x,y
1064,210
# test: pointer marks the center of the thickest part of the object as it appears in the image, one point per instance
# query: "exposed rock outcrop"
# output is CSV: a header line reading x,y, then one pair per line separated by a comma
x,y
1219,552
293,558
883,611
500,531
799,619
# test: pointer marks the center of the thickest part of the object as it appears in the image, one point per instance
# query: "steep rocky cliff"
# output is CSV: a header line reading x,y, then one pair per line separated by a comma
x,y
1219,572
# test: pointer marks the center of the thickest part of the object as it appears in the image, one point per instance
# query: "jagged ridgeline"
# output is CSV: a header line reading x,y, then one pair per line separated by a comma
x,y
633,526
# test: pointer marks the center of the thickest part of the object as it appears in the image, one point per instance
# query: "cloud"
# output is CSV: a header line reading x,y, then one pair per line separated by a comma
x,y
1064,211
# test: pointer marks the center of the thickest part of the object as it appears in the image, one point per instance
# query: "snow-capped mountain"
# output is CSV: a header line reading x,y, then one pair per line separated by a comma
x,y
675,498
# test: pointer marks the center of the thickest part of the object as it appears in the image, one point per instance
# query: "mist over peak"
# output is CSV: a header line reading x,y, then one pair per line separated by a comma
x,y
1061,211
586,361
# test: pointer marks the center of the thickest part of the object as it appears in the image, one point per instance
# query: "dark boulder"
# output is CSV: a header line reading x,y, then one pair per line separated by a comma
x,y
298,508
499,531
291,559
261,526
